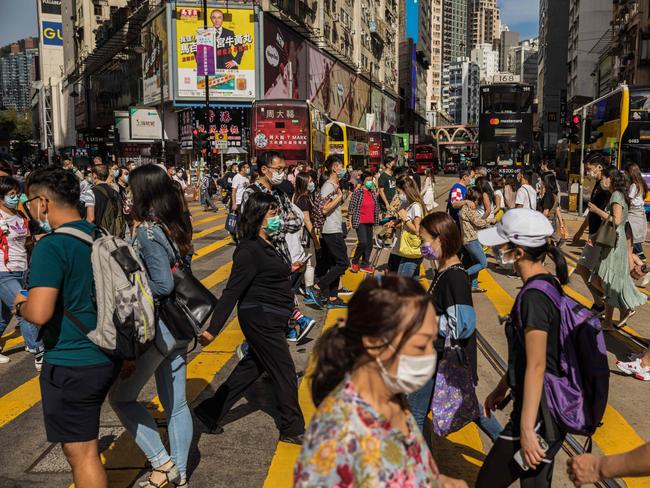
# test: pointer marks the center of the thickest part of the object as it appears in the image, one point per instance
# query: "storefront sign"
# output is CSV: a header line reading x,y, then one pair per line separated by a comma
x,y
144,123
153,74
52,33
225,52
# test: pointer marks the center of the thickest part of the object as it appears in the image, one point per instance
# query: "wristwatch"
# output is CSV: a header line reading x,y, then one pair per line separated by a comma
x,y
18,307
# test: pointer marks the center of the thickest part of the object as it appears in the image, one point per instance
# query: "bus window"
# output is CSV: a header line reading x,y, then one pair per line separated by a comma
x,y
336,132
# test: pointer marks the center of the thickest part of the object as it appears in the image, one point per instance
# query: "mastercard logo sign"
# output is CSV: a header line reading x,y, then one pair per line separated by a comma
x,y
494,121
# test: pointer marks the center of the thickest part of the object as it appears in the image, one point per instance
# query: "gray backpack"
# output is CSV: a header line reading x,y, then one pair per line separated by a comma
x,y
126,319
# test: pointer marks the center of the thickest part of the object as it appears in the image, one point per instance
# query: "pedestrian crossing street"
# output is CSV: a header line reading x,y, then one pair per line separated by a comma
x,y
125,462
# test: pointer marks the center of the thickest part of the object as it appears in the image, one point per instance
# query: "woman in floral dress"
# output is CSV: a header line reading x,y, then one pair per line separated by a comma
x,y
363,433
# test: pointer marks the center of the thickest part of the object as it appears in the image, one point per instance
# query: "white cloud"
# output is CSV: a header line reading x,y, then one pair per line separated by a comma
x,y
518,11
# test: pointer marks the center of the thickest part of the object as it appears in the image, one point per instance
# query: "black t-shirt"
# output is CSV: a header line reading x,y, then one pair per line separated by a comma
x,y
548,201
101,200
452,299
600,198
537,311
286,187
543,177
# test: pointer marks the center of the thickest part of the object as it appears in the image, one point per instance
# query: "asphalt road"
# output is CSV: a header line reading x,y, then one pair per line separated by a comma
x,y
248,454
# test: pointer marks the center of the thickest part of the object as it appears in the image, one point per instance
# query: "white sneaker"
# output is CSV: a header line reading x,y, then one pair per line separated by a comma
x,y
4,359
634,368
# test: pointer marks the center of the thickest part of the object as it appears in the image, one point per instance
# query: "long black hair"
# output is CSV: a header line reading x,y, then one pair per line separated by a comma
x,y
156,199
483,184
302,186
253,214
381,308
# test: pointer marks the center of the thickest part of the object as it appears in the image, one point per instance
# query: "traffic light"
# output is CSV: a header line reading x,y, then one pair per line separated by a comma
x,y
204,141
575,129
195,138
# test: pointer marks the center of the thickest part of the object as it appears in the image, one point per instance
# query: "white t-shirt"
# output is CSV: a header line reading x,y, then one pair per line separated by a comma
x,y
498,198
239,183
16,231
86,193
636,197
526,197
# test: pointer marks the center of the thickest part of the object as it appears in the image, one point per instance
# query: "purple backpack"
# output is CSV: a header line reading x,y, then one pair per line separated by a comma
x,y
578,396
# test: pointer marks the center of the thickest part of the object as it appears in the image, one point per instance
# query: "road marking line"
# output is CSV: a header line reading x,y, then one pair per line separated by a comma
x,y
208,219
206,232
205,250
616,435
11,340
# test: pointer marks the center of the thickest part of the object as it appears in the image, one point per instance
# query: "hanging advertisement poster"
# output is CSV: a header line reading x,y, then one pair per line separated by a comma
x,y
232,53
154,58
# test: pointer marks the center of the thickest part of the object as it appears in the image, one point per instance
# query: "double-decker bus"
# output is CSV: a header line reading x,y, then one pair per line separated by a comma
x,y
292,127
426,157
620,123
348,142
506,126
382,146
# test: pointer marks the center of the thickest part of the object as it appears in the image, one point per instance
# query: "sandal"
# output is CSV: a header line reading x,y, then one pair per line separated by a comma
x,y
172,475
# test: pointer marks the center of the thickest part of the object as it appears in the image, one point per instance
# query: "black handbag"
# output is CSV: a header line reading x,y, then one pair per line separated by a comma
x,y
189,306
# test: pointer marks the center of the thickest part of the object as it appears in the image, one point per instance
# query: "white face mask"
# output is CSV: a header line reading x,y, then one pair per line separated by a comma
x,y
277,177
412,372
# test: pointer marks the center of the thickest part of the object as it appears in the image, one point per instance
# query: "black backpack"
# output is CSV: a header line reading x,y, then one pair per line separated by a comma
x,y
112,220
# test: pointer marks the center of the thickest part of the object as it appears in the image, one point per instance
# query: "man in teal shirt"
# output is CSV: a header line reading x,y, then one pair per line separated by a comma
x,y
76,374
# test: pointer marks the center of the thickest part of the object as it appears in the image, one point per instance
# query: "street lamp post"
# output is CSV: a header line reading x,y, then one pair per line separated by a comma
x,y
163,144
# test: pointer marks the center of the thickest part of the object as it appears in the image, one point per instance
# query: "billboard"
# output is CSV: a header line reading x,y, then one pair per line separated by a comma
x,y
285,62
52,33
144,123
226,53
51,7
506,127
155,60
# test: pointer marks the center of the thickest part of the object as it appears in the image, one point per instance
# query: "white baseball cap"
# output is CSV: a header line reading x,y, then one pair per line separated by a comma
x,y
521,226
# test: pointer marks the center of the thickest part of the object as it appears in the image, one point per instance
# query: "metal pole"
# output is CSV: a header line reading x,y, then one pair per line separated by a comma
x,y
582,159
207,94
162,102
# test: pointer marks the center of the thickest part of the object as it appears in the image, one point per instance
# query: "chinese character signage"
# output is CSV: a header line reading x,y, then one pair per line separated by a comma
x,y
227,124
155,61
225,52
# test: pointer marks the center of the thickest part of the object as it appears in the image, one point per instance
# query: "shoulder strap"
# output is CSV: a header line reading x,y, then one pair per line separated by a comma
x,y
78,323
78,234
547,288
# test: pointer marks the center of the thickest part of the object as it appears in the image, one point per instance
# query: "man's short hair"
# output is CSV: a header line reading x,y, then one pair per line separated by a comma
x,y
266,158
464,172
59,185
101,170
331,160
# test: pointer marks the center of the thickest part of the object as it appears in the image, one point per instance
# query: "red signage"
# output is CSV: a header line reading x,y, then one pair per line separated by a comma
x,y
282,128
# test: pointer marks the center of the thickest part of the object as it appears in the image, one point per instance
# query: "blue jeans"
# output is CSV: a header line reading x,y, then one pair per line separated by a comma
x,y
166,359
420,403
10,285
475,250
409,267
206,201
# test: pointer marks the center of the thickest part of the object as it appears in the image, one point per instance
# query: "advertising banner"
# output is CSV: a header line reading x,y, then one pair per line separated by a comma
x,y
506,127
52,33
285,62
228,124
232,53
154,59
144,123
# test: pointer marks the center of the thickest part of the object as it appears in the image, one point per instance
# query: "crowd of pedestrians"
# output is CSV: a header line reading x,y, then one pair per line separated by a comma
x,y
401,353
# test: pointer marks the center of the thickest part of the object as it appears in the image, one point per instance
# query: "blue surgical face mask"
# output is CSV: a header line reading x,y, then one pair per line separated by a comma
x,y
311,187
342,173
12,201
126,179
116,173
45,224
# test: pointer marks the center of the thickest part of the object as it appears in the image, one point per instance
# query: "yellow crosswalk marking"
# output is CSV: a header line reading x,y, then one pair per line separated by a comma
x,y
19,400
205,250
206,232
616,435
11,340
208,219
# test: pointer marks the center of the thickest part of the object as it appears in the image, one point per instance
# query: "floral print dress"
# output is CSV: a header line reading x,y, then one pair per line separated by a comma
x,y
349,444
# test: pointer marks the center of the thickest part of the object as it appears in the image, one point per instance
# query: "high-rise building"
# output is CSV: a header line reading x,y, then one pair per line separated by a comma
x,y
522,61
587,23
434,76
630,48
18,70
551,75
461,82
455,39
508,39
487,59
485,22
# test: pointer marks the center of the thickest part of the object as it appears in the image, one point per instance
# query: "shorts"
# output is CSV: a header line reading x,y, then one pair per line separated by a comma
x,y
590,255
72,400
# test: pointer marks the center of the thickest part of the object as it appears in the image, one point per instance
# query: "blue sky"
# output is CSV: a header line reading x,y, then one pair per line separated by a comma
x,y
18,20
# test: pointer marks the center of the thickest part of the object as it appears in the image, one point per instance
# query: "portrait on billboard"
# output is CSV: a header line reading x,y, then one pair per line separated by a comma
x,y
224,52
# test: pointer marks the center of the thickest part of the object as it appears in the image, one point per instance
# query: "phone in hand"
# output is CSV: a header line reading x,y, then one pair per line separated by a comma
x,y
519,457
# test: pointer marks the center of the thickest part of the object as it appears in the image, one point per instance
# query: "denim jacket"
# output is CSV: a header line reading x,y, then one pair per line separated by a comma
x,y
158,257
